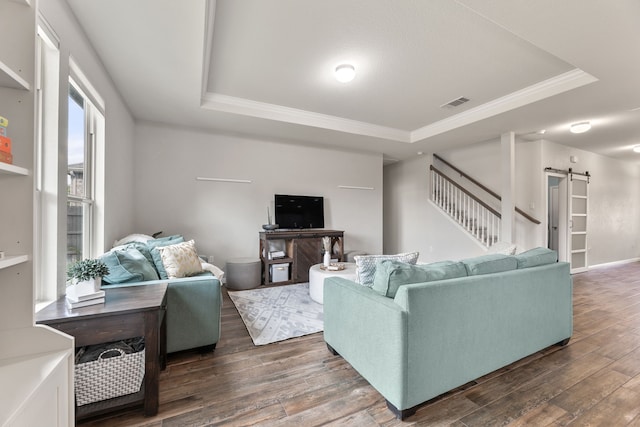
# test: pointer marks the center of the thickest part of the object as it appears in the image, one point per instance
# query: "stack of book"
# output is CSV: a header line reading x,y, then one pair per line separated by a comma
x,y
5,142
76,301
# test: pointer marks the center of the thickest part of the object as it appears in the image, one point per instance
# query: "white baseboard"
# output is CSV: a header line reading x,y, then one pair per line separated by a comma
x,y
614,263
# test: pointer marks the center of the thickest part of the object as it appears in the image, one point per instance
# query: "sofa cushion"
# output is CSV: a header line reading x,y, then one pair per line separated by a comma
x,y
127,264
492,263
390,274
535,257
366,265
180,260
117,273
142,247
153,246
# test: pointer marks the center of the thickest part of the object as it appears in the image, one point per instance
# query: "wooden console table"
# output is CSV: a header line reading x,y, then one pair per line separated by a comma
x,y
128,312
303,248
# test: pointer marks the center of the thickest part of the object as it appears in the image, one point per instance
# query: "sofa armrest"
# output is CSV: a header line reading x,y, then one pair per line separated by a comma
x,y
193,313
194,307
370,332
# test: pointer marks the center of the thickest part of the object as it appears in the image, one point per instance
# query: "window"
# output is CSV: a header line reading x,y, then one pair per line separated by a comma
x,y
84,124
46,271
75,180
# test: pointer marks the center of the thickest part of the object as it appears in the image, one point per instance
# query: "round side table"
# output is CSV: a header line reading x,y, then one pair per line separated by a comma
x,y
317,276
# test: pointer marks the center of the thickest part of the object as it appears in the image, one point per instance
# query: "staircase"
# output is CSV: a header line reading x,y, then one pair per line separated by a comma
x,y
479,219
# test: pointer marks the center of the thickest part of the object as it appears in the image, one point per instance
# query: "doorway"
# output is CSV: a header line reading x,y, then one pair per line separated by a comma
x,y
567,203
557,218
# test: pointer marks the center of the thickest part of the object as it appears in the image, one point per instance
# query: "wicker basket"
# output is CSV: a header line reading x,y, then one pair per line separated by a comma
x,y
108,378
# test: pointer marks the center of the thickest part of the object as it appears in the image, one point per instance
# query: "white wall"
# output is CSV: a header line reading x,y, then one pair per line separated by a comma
x,y
482,162
613,221
225,218
413,223
118,196
614,202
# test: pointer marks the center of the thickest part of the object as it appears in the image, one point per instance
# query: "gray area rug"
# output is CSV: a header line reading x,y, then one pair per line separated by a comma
x,y
278,313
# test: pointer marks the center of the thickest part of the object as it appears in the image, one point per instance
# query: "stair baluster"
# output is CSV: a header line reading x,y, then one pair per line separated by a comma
x,y
478,219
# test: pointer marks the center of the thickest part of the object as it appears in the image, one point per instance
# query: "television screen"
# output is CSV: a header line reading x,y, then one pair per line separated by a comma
x,y
299,211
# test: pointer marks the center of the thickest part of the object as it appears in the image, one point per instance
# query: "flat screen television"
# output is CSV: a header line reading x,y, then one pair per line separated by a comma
x,y
299,211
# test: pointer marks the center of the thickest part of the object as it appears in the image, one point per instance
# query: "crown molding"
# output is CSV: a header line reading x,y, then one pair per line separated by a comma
x,y
536,92
247,107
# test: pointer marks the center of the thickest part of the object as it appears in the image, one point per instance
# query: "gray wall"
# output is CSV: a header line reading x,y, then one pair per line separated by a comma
x,y
225,218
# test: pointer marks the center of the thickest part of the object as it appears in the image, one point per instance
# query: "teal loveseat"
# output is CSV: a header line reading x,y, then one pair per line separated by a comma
x,y
413,342
194,303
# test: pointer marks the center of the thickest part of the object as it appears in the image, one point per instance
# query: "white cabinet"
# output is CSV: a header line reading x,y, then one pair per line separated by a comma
x,y
36,362
41,380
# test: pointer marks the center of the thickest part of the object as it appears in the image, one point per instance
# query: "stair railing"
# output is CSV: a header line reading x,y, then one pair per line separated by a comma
x,y
489,191
471,213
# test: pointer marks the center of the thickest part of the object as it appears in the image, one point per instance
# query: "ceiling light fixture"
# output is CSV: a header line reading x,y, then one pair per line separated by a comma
x,y
580,127
345,73
636,149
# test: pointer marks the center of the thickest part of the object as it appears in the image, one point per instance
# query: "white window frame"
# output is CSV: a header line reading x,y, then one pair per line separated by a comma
x,y
95,126
46,236
94,131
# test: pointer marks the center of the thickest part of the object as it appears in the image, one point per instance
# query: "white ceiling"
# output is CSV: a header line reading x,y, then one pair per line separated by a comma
x,y
265,69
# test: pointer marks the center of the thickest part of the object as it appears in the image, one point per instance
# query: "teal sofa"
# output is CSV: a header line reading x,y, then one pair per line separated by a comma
x,y
453,323
194,303
193,311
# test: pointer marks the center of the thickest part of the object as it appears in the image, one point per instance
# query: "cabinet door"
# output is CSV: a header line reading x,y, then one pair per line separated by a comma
x,y
308,252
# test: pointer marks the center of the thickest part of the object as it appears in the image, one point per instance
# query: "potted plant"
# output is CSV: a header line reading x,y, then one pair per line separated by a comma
x,y
86,275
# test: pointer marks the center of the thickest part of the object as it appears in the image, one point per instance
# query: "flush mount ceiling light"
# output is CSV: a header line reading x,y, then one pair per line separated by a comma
x,y
636,149
580,127
345,73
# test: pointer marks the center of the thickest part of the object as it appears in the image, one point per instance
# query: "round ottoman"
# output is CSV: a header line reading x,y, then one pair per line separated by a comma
x,y
243,273
317,276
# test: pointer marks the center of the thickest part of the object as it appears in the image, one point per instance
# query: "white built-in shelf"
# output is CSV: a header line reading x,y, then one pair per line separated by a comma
x,y
25,374
11,260
9,78
24,2
7,169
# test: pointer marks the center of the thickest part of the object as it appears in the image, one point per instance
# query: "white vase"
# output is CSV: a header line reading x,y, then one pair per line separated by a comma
x,y
327,258
87,287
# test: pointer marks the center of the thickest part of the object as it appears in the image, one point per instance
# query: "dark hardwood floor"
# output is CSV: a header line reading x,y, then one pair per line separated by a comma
x,y
593,381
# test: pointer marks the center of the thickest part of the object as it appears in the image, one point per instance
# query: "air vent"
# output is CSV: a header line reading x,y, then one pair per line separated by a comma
x,y
455,103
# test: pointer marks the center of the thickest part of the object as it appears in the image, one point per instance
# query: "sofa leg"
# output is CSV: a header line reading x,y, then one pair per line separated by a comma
x,y
332,351
564,342
207,348
401,414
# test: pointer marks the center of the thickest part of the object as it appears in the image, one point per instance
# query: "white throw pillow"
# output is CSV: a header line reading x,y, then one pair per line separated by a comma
x,y
142,238
366,265
504,248
180,260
